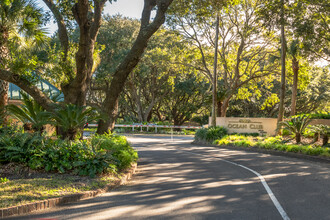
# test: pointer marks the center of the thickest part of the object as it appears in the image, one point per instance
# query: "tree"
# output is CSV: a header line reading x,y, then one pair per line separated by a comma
x,y
20,20
87,16
147,29
245,50
187,97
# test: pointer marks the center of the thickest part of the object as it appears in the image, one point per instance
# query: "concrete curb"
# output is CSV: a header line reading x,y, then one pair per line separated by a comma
x,y
268,151
51,203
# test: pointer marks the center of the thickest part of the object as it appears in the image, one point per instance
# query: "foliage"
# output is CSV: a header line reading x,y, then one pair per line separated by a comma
x,y
296,125
210,134
323,130
4,180
30,112
201,120
72,118
119,148
319,115
101,154
272,143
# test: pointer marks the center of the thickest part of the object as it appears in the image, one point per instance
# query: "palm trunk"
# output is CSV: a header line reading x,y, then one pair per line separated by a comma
x,y
295,69
298,138
4,85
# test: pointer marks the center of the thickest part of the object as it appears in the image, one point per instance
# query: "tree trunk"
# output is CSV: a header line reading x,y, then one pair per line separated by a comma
x,y
106,125
298,138
4,85
131,60
224,107
3,101
295,69
283,58
219,107
215,81
325,140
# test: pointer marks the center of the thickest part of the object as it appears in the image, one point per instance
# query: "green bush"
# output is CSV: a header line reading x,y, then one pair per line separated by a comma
x,y
100,154
274,143
210,134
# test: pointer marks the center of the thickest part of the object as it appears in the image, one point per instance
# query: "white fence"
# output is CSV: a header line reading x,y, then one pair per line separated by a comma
x,y
150,126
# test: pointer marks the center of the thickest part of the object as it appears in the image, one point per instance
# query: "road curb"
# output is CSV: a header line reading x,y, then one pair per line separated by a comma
x,y
268,151
51,203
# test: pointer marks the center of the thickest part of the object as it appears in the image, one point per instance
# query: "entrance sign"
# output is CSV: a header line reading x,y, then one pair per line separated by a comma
x,y
248,125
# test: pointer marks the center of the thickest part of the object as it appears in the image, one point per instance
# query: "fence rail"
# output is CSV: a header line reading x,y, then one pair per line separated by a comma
x,y
150,126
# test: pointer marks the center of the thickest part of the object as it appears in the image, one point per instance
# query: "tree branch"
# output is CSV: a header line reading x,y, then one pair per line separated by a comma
x,y
28,87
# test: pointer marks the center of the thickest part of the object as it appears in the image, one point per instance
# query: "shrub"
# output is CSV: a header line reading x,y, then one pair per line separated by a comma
x,y
274,143
101,154
210,134
323,130
72,118
30,113
296,125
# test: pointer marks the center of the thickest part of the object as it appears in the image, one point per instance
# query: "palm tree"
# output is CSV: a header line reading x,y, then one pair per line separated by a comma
x,y
20,21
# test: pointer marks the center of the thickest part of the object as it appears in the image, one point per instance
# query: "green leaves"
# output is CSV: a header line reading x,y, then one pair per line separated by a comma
x,y
30,112
210,134
296,125
71,118
102,154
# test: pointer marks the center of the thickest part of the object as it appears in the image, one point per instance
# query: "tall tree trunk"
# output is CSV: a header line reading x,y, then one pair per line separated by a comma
x,y
132,59
108,124
295,69
224,107
215,81
283,58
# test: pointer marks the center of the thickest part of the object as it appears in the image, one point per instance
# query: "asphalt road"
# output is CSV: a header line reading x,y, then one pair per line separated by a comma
x,y
176,180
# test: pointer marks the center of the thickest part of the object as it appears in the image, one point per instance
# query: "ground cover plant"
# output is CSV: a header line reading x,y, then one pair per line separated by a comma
x,y
218,136
273,143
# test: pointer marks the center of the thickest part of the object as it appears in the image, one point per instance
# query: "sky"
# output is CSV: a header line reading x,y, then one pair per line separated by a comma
x,y
128,8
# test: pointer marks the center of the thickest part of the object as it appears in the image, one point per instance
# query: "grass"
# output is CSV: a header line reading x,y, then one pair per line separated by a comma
x,y
273,143
21,190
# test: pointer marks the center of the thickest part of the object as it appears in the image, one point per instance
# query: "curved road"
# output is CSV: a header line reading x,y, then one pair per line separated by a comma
x,y
176,180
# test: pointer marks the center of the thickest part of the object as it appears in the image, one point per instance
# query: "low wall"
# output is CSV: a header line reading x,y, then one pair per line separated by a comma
x,y
320,121
248,125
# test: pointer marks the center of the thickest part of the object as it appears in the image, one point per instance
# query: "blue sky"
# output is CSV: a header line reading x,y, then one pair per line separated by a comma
x,y
128,8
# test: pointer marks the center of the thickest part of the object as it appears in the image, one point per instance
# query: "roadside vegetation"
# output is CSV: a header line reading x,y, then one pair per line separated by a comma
x,y
315,138
37,167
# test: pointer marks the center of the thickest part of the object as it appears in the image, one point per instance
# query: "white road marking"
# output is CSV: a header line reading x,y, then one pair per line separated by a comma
x,y
262,179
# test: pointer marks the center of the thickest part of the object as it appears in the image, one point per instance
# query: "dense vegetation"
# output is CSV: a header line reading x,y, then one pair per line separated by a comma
x,y
105,153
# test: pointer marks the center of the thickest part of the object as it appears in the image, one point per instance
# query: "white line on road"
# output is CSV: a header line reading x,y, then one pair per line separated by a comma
x,y
262,179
